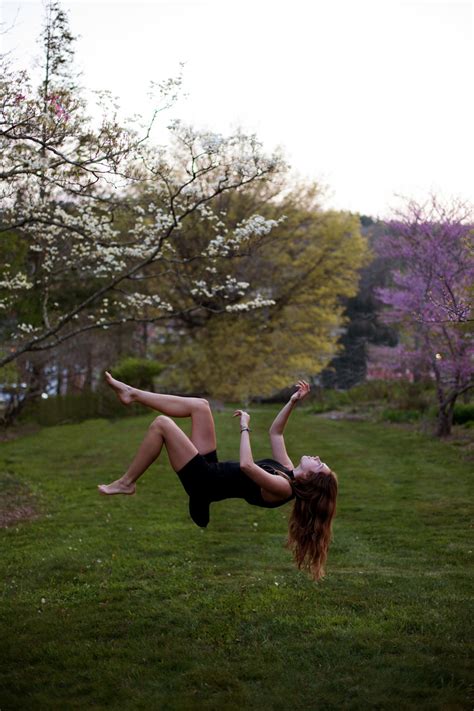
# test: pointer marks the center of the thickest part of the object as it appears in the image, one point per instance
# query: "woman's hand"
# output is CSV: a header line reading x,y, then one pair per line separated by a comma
x,y
302,390
244,417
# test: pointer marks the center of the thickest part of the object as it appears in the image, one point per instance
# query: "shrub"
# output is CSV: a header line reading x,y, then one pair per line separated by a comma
x,y
463,413
138,372
373,391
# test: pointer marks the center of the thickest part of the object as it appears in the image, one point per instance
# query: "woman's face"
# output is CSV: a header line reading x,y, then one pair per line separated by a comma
x,y
313,464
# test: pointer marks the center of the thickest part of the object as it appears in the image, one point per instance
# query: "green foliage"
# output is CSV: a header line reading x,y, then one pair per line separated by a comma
x,y
463,413
138,372
391,415
406,396
325,400
122,603
14,258
10,375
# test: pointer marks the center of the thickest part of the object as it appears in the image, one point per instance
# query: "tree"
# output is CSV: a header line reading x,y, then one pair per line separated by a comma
x,y
78,247
431,295
306,265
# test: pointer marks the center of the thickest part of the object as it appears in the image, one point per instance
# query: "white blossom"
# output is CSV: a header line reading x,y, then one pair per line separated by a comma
x,y
15,282
139,301
255,226
256,303
26,328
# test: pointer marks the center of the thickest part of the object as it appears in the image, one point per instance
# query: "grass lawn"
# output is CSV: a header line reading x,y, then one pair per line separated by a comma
x,y
124,603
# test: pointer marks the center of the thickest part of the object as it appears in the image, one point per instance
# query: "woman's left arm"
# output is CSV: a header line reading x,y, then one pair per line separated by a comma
x,y
277,485
277,440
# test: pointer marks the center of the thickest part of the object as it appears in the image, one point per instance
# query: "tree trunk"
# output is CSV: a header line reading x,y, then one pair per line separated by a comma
x,y
445,419
59,376
37,382
89,371
145,340
18,397
12,410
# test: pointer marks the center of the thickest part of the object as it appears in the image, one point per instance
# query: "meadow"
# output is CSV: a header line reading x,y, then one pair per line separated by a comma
x,y
123,603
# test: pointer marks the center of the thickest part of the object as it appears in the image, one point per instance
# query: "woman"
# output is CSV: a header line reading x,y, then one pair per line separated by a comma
x,y
267,483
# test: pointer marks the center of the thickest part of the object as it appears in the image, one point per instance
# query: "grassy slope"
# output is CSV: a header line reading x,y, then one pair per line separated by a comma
x,y
124,603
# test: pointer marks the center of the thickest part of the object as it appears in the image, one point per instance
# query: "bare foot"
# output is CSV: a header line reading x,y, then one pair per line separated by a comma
x,y
124,392
116,487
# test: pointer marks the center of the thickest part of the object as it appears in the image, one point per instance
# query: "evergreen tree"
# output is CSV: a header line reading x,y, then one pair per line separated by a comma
x,y
363,323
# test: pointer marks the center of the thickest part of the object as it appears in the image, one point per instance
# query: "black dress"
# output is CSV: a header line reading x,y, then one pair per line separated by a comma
x,y
205,480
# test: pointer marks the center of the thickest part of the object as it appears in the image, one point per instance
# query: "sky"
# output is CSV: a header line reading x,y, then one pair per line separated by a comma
x,y
373,99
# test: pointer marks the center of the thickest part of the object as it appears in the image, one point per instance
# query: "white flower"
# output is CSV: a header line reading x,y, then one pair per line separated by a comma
x,y
15,282
26,328
257,303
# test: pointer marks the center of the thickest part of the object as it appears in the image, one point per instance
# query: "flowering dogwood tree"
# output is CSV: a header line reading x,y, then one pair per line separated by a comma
x,y
431,296
76,246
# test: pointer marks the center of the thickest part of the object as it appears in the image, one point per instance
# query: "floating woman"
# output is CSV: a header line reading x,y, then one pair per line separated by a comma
x,y
267,483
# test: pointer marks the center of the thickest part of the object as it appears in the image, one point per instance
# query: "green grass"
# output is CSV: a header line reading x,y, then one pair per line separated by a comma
x,y
124,603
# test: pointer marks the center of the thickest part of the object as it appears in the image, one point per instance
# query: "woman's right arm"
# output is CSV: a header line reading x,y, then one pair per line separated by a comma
x,y
276,485
277,440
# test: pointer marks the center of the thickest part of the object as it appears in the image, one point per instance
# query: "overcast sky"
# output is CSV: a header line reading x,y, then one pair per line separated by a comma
x,y
372,98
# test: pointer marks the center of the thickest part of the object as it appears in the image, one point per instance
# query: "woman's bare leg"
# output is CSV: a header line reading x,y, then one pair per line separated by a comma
x,y
203,434
161,431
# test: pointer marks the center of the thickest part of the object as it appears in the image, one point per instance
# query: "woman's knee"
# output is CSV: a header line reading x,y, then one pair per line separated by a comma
x,y
202,404
161,424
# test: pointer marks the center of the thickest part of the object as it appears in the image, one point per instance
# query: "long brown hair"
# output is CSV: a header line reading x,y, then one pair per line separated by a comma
x,y
310,524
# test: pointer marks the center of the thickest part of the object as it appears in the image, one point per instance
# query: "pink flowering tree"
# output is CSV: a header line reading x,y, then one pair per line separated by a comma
x,y
79,238
430,297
